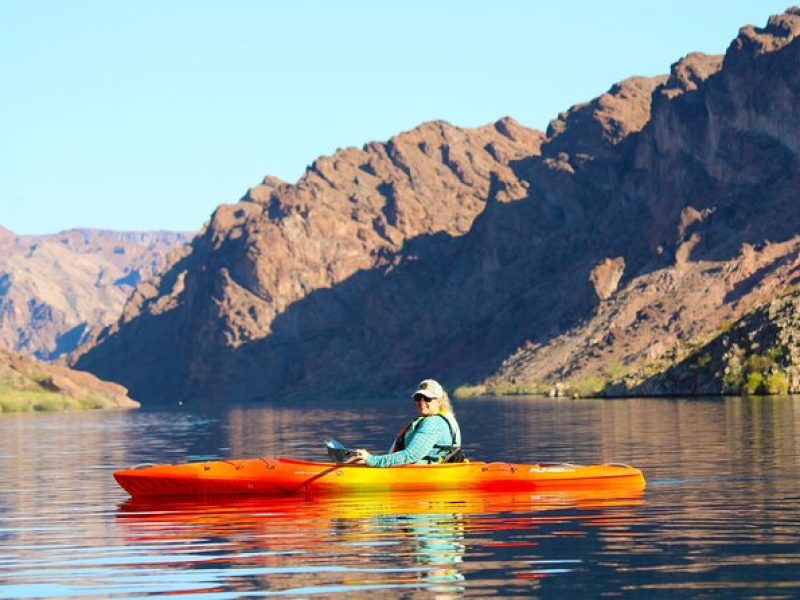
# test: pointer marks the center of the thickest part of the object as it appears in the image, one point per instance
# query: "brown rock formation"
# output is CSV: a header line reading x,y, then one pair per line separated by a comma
x,y
759,354
605,276
355,220
706,199
473,254
689,73
29,384
54,289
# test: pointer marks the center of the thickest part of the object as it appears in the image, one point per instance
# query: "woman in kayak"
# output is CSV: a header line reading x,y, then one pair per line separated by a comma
x,y
433,437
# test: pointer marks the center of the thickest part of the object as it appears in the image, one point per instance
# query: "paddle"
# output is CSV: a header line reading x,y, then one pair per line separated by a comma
x,y
338,451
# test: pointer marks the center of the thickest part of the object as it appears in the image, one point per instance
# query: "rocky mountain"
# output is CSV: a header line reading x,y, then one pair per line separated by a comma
x,y
55,289
500,256
29,384
759,354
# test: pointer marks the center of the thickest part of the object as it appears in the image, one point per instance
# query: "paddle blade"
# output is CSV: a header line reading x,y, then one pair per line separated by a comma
x,y
337,451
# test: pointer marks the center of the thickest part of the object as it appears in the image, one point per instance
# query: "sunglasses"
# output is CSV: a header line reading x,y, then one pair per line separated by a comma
x,y
419,397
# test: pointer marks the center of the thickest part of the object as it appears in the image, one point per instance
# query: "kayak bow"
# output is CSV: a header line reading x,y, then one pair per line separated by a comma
x,y
284,477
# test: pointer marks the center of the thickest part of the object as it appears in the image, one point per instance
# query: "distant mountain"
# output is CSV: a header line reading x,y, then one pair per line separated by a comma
x,y
55,289
28,384
611,245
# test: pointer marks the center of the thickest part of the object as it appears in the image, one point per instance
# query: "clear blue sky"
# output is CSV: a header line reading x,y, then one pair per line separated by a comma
x,y
148,114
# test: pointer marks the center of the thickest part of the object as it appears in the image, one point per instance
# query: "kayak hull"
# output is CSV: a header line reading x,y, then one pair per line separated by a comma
x,y
286,477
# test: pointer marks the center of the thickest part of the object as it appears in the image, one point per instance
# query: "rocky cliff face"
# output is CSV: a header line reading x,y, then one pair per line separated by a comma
x,y
301,286
501,255
759,354
703,214
55,289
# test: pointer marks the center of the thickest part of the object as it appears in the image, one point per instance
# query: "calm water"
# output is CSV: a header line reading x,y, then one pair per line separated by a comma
x,y
720,518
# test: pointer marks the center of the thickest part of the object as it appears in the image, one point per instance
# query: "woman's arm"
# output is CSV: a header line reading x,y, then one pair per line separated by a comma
x,y
419,445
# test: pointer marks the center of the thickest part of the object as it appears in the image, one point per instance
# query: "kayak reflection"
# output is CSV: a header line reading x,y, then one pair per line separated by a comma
x,y
401,540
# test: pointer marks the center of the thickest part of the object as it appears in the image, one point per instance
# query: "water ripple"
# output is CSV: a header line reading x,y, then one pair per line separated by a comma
x,y
720,516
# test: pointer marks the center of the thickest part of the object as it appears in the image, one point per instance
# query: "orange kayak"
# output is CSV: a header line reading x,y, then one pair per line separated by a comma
x,y
285,477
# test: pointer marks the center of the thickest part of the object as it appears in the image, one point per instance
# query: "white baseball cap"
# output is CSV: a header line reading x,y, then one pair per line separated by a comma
x,y
429,388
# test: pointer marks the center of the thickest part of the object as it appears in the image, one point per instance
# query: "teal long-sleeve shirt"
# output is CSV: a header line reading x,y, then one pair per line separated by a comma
x,y
420,440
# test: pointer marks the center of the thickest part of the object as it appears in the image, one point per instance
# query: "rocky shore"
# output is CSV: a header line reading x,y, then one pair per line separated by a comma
x,y
27,384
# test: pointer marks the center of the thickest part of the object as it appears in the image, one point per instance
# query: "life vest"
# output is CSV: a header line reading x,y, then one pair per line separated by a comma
x,y
455,436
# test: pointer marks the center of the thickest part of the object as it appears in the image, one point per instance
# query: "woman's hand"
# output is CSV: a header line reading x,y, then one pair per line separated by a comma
x,y
359,457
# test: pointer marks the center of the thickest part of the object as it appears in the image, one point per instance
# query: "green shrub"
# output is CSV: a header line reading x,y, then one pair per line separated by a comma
x,y
616,370
13,400
777,383
753,383
704,360
776,353
9,404
759,363
756,376
92,402
515,389
733,380
49,403
27,395
469,391
589,387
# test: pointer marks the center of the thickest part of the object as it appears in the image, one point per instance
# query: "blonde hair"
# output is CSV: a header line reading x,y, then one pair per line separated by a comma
x,y
446,405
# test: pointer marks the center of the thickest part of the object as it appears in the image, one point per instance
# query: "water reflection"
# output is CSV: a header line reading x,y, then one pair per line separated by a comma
x,y
721,515
295,545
